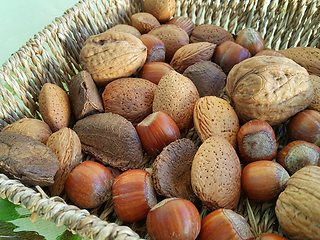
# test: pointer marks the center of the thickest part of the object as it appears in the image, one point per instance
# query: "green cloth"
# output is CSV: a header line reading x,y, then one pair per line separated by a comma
x,y
21,19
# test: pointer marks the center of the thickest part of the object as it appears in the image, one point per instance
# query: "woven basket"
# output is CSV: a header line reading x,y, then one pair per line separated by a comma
x,y
52,56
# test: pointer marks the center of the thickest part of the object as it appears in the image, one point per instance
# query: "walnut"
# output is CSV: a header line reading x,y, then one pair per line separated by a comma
x,y
111,55
268,88
297,207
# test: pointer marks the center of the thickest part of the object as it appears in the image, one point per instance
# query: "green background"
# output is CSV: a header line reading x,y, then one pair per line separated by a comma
x,y
21,19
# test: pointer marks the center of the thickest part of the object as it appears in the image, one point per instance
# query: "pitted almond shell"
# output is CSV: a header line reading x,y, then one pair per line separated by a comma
x,y
191,54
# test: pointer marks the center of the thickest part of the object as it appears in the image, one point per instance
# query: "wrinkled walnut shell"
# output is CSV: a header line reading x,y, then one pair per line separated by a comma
x,y
111,55
268,88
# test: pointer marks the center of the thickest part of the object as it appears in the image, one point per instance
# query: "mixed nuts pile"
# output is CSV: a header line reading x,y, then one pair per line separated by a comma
x,y
142,89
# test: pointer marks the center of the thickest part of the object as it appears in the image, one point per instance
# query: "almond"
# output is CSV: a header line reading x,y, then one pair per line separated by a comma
x,y
216,174
214,116
176,95
172,36
191,54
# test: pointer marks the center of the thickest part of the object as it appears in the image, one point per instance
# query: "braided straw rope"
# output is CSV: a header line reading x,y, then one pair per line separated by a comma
x,y
52,55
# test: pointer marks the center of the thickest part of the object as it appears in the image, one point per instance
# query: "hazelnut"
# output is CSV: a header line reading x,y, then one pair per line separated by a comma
x,y
256,141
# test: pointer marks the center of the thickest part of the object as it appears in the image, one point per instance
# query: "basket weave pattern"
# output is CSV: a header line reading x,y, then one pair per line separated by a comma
x,y
52,55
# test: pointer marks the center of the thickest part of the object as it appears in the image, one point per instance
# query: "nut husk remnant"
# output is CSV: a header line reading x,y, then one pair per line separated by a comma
x,y
111,139
84,96
26,159
268,88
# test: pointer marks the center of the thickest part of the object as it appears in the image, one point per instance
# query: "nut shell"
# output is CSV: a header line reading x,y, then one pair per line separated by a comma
x,y
111,55
297,206
133,195
216,174
263,181
225,224
208,77
66,144
268,88
131,98
162,10
172,36
210,33
171,170
111,139
31,127
174,219
89,185
176,95
298,154
307,57
144,22
125,28
256,141
191,54
213,116
54,106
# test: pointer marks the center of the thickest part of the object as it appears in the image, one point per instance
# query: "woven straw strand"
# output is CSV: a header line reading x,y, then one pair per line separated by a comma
x,y
56,210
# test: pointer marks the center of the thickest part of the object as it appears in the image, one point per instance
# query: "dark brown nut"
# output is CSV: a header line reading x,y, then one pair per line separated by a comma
x,y
144,22
268,88
26,159
111,55
191,54
171,170
84,96
111,139
125,28
129,97
172,36
66,144
31,127
210,33
208,77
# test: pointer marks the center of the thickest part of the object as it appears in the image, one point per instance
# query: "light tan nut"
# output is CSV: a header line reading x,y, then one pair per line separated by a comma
x,y
31,127
111,55
307,57
191,54
54,106
210,33
144,22
129,97
214,116
66,144
216,174
172,36
268,88
176,95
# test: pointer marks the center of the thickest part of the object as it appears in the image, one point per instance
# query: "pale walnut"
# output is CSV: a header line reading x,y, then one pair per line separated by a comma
x,y
111,55
268,88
